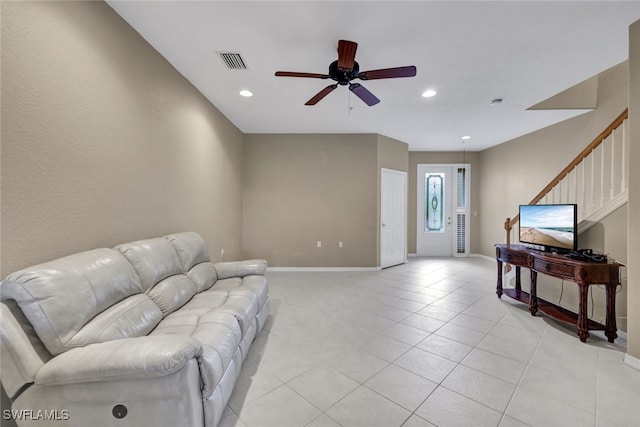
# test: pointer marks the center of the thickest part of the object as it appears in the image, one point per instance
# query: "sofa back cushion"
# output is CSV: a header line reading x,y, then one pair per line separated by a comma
x,y
87,297
161,272
194,256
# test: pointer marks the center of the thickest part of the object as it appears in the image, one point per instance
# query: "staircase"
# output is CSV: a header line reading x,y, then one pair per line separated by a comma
x,y
596,180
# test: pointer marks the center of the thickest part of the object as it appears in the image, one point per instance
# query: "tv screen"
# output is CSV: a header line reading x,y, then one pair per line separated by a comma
x,y
555,227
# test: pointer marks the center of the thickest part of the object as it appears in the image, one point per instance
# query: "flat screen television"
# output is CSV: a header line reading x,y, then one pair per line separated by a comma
x,y
552,227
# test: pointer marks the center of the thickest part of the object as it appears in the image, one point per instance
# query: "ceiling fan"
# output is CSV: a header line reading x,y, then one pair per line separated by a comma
x,y
346,69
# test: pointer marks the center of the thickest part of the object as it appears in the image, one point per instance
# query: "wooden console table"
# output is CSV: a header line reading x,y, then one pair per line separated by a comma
x,y
583,273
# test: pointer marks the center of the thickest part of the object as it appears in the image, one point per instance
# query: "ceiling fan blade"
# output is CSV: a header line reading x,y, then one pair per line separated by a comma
x,y
346,54
388,73
318,96
362,93
296,74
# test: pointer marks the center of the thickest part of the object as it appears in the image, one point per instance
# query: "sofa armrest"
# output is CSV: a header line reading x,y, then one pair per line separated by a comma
x,y
250,267
140,357
22,353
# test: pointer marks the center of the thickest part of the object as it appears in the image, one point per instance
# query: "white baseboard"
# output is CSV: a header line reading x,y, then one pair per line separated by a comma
x,y
470,255
490,258
322,269
341,269
632,361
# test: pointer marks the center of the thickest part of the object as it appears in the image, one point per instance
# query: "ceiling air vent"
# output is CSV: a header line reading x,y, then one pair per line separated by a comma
x,y
233,61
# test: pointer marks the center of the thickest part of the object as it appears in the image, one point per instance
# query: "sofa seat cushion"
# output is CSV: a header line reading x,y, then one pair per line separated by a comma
x,y
241,303
257,284
218,332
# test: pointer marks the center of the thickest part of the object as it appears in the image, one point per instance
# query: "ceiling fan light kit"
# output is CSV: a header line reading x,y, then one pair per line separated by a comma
x,y
346,69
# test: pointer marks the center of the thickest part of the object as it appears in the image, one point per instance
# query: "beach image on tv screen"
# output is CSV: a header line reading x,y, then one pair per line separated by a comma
x,y
547,225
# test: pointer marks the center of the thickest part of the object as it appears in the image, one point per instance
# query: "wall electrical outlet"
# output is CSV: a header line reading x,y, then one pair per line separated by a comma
x,y
222,253
319,244
339,244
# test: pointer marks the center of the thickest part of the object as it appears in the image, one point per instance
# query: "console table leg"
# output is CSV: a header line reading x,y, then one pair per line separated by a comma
x,y
583,326
610,324
499,283
533,296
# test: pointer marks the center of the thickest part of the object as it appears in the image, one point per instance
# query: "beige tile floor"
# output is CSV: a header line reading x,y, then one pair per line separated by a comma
x,y
427,343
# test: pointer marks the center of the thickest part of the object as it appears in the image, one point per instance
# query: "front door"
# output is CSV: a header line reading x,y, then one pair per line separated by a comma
x,y
443,210
434,210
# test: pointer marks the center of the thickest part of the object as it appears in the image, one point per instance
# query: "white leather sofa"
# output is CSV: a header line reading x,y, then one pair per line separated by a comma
x,y
149,333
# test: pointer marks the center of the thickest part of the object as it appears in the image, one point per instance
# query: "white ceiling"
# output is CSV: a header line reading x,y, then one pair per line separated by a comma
x,y
469,51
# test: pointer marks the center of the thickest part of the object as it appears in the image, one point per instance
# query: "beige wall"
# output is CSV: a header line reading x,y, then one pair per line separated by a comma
x,y
104,142
300,189
392,154
442,157
633,337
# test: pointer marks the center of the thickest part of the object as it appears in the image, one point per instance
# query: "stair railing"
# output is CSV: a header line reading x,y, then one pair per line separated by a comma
x,y
582,189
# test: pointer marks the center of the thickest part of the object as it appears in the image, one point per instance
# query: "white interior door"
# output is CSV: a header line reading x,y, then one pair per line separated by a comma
x,y
393,218
435,210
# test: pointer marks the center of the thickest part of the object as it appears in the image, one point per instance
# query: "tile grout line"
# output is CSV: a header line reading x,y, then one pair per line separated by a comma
x,y
410,278
440,384
526,369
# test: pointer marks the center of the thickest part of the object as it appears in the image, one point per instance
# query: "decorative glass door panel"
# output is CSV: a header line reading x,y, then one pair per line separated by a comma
x,y
434,209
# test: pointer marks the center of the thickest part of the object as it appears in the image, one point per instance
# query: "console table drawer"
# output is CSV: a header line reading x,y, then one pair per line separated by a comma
x,y
517,259
553,268
513,258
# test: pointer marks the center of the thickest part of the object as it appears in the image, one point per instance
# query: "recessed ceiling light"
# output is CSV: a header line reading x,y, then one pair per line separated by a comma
x,y
246,93
466,138
429,93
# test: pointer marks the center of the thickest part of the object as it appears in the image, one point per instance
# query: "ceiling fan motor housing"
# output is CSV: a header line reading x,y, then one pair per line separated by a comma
x,y
343,77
